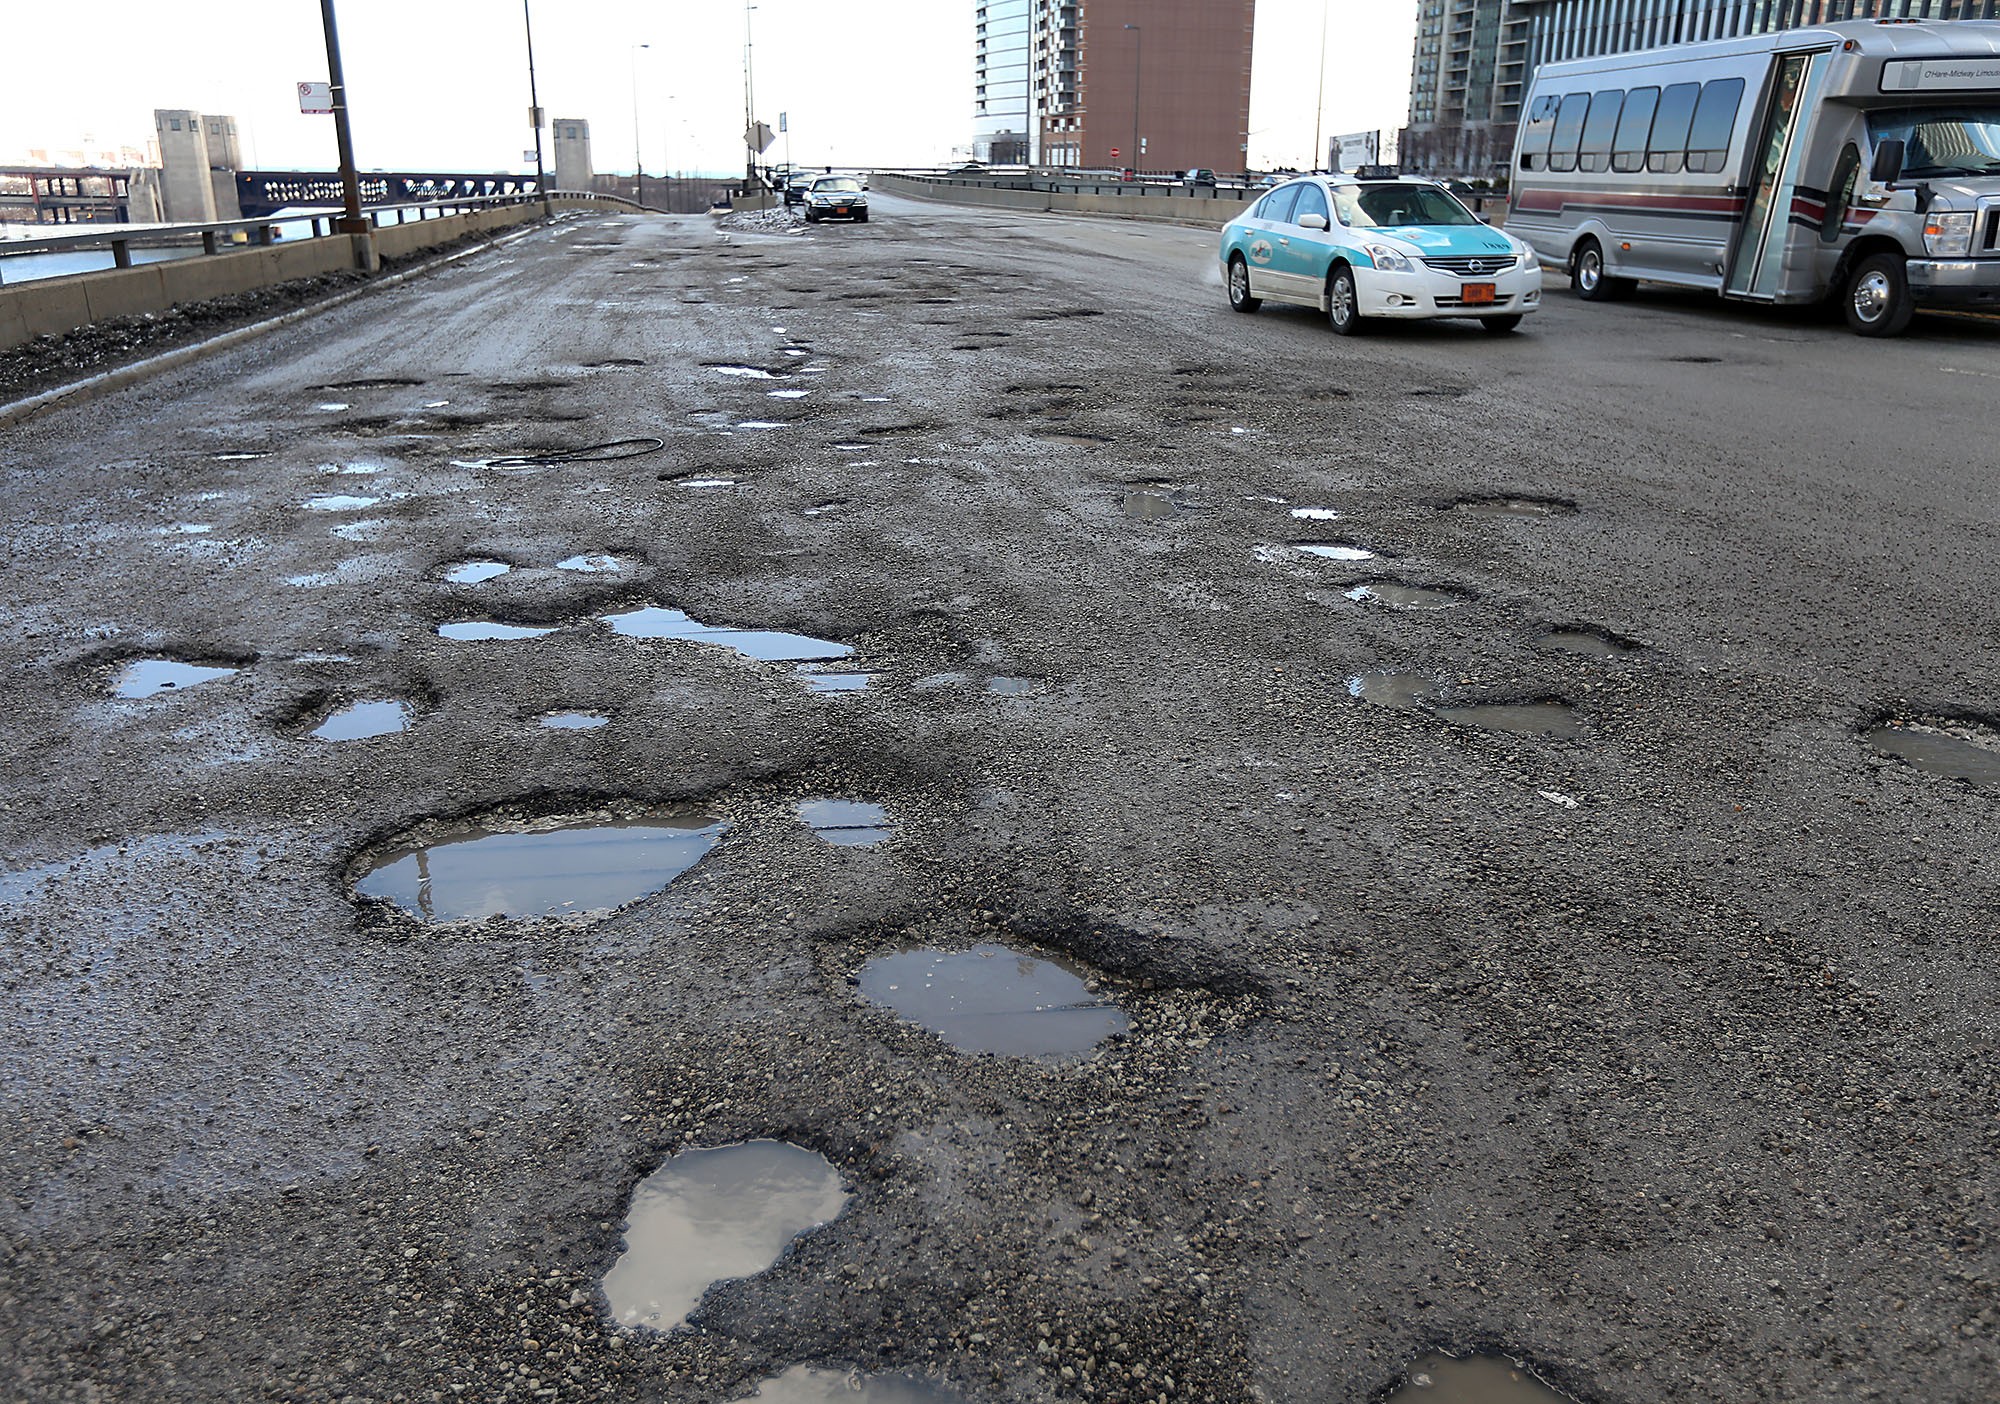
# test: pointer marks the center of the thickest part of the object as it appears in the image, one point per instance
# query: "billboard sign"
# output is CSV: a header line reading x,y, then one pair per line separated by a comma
x,y
1352,149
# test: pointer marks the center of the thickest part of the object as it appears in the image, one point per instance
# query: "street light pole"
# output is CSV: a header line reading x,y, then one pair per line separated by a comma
x,y
1319,110
1138,76
749,108
535,116
638,166
351,221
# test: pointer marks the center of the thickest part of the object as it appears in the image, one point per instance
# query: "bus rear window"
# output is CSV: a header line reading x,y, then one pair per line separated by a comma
x,y
1667,149
1714,123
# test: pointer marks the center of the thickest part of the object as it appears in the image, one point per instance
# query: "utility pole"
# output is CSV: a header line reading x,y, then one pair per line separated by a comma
x,y
638,164
1319,111
351,220
535,117
749,108
1138,75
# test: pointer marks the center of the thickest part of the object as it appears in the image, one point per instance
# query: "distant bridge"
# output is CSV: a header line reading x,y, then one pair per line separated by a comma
x,y
264,193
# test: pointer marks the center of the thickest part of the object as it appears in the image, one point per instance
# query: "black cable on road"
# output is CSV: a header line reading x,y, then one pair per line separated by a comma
x,y
588,453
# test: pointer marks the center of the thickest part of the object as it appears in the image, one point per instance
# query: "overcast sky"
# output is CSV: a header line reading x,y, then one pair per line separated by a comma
x,y
442,84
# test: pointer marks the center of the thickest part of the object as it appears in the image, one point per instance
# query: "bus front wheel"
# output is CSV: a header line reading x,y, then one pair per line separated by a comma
x,y
1587,275
1876,296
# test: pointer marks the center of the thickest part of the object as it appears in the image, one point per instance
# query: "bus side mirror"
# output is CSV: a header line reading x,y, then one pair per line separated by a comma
x,y
1888,165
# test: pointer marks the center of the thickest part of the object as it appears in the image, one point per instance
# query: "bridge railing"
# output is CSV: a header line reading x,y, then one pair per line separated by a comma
x,y
219,236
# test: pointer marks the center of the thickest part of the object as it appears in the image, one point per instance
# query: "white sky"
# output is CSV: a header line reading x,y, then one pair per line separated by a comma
x,y
442,84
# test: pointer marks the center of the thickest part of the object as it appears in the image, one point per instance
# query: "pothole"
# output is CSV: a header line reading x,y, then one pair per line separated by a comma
x,y
358,721
517,868
804,1385
826,681
764,645
1962,750
338,502
1402,691
1399,596
1516,506
367,529
758,425
491,630
148,677
1150,506
1476,1379
573,721
594,565
1014,687
476,572
1590,643
1547,718
1335,551
750,372
1316,514
994,999
708,1216
382,382
846,823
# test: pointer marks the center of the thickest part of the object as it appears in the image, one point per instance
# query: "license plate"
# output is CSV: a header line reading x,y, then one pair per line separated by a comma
x,y
1479,292
842,209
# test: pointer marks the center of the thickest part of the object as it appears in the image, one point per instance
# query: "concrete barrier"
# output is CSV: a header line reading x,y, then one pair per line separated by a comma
x,y
1201,212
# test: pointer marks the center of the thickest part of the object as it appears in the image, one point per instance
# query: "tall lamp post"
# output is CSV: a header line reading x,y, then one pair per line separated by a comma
x,y
1138,75
350,221
638,166
749,108
1319,109
535,116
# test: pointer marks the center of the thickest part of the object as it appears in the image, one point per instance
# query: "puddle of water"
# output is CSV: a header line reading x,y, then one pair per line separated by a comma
x,y
574,721
993,1000
760,424
360,720
804,1385
821,681
1523,718
1403,691
1589,645
1339,553
592,565
486,630
476,572
1516,507
367,529
338,502
1150,506
240,457
1316,514
1962,750
1013,687
350,470
1477,1379
707,1216
788,394
331,407
436,404
1405,596
749,372
188,529
708,482
846,823
764,645
149,677
564,868
938,682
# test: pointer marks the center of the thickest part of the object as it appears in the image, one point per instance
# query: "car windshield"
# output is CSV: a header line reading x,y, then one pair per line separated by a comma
x,y
1942,141
1392,206
836,184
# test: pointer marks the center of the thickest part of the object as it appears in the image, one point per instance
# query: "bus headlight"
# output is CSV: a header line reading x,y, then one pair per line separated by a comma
x,y
1389,260
1948,235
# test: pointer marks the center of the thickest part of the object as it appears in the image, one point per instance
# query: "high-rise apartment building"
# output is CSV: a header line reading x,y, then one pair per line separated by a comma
x,y
1153,84
1473,58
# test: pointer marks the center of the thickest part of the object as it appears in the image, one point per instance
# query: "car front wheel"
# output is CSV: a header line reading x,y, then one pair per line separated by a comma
x,y
1239,286
1343,302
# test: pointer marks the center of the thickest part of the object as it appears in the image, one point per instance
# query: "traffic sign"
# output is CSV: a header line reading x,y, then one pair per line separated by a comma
x,y
316,98
1114,153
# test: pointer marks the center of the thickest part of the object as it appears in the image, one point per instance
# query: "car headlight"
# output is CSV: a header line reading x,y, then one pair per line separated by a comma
x,y
1529,263
1948,235
1385,258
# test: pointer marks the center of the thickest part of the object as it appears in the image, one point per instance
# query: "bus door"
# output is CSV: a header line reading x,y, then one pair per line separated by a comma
x,y
1757,263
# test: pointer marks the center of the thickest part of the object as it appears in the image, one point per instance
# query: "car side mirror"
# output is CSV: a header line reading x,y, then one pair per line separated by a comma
x,y
1887,168
1313,221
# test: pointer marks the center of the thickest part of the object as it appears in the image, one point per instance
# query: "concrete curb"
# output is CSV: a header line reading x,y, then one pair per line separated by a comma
x,y
103,383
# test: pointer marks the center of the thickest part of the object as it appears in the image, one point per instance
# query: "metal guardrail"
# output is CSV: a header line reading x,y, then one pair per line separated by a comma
x,y
1161,186
121,239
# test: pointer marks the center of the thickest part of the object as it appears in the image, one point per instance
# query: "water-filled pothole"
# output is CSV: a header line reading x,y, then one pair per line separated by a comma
x,y
765,645
1963,750
1476,1379
476,572
593,564
148,677
1316,514
338,502
707,1216
991,999
804,1385
360,720
1402,691
573,721
1014,687
489,630
750,372
1335,551
826,682
1399,596
1548,718
561,866
1590,643
1149,506
1517,506
846,823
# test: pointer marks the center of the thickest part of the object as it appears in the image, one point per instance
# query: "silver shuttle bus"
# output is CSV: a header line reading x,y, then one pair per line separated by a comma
x,y
1857,161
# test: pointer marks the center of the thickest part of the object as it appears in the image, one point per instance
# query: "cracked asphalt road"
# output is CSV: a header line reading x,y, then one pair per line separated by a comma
x,y
1662,1057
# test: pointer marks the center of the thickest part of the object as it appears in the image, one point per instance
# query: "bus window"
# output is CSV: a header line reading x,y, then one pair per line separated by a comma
x,y
1667,148
1840,193
1628,149
1598,130
1714,123
1535,144
1569,131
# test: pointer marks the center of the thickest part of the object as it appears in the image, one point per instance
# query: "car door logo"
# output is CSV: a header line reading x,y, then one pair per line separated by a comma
x,y
1260,251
